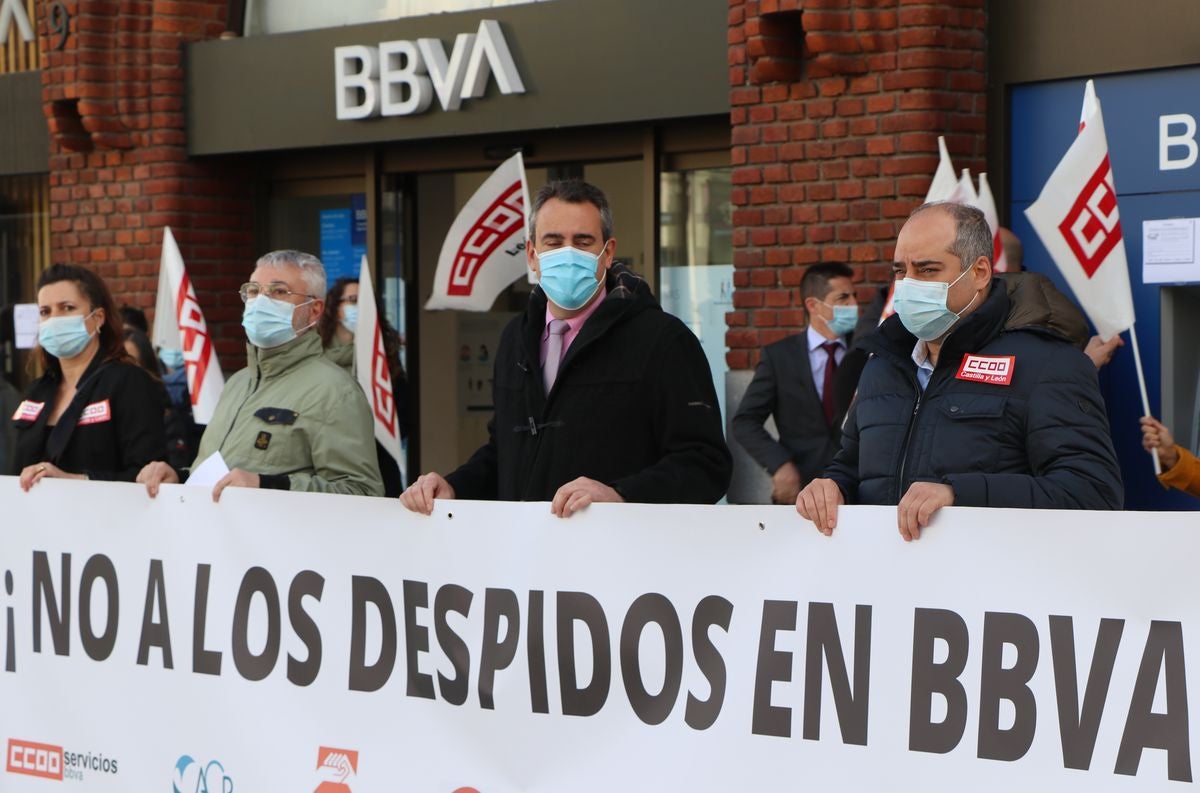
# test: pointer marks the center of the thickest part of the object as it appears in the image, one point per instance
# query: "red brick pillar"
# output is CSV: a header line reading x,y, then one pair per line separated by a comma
x,y
837,107
119,170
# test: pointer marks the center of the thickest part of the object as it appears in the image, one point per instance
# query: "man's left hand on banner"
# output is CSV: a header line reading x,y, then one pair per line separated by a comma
x,y
918,505
578,493
238,477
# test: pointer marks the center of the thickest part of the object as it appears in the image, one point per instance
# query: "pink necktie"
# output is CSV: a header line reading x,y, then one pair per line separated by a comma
x,y
554,351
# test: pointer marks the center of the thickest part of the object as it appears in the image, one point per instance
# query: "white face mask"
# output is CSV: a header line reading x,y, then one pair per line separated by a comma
x,y
922,307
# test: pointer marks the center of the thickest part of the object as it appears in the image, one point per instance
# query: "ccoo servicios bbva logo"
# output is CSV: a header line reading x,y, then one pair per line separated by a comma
x,y
192,777
50,761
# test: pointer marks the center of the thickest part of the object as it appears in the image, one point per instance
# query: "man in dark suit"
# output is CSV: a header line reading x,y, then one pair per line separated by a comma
x,y
801,381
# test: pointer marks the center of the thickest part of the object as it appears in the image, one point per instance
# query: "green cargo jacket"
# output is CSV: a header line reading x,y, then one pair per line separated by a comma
x,y
295,418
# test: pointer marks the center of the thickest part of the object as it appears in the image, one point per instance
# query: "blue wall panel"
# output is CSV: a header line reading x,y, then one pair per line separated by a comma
x,y
1044,119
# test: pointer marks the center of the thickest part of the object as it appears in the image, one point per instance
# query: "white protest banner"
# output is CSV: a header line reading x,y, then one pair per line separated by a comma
x,y
372,370
179,325
1077,220
285,641
484,250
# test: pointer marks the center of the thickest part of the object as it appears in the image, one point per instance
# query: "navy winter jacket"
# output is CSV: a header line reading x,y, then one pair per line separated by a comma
x,y
1039,441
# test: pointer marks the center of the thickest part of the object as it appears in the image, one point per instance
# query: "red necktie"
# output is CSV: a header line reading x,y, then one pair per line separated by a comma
x,y
827,387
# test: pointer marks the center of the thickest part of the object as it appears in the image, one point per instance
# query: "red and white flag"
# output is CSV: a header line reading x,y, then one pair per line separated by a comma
x,y
944,183
371,369
986,203
179,325
889,303
484,250
962,191
1077,220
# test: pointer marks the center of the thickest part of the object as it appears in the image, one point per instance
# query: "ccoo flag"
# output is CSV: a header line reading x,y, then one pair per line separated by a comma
x,y
371,369
1077,220
179,325
484,250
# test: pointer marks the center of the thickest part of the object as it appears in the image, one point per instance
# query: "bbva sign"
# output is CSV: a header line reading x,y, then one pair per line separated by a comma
x,y
400,78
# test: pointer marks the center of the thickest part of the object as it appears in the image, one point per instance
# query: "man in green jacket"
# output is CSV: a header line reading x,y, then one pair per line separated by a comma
x,y
292,419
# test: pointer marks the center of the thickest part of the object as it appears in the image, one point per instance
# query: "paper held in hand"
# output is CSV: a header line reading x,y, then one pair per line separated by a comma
x,y
209,472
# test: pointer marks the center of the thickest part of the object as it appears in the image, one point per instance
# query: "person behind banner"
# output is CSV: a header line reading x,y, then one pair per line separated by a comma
x,y
1180,468
797,382
599,394
94,413
10,398
337,327
292,419
956,407
183,433
1101,352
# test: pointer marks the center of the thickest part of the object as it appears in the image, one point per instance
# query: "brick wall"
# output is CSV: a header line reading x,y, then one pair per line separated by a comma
x,y
119,170
836,110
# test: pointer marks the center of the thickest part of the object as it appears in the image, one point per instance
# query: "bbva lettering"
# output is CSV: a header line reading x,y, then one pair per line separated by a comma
x,y
1177,135
400,78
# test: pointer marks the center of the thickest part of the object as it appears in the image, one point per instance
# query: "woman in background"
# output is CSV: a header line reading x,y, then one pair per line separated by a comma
x,y
141,351
337,327
1180,468
94,414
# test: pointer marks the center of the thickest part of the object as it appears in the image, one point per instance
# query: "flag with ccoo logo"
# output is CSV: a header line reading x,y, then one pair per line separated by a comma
x,y
484,250
179,324
1077,220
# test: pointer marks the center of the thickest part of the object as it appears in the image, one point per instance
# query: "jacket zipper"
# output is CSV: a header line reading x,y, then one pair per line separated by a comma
x,y
912,422
236,413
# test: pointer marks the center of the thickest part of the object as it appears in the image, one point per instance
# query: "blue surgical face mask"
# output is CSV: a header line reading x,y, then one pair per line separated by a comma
x,y
64,337
569,276
844,319
171,358
268,322
922,306
350,318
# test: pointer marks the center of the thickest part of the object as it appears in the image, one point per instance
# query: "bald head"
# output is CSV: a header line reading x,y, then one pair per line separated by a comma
x,y
1014,252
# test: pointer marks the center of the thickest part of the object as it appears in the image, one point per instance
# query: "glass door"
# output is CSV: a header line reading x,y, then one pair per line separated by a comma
x,y
696,258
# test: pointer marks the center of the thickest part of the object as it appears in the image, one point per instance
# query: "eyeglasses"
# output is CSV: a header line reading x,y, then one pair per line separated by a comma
x,y
276,290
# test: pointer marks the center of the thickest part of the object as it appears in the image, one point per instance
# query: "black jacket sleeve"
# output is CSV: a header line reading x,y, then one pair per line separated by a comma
x,y
695,465
844,468
759,403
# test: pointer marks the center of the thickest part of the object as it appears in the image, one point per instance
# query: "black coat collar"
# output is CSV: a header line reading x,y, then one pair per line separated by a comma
x,y
46,390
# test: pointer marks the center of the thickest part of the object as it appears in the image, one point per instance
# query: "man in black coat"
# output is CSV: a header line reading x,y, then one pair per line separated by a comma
x,y
957,406
800,381
599,394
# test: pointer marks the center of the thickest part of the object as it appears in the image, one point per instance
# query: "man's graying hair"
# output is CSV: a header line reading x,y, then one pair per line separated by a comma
x,y
972,234
310,267
573,191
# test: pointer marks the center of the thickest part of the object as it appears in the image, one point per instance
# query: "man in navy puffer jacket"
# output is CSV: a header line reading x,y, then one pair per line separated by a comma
x,y
956,406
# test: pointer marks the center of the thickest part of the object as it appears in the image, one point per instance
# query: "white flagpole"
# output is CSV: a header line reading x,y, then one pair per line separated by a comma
x,y
1137,362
